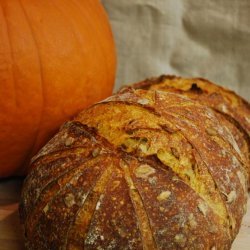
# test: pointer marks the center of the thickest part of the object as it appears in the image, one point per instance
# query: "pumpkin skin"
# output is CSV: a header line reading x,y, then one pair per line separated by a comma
x,y
56,58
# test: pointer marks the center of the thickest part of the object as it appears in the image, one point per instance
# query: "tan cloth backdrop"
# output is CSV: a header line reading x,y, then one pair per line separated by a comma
x,y
208,38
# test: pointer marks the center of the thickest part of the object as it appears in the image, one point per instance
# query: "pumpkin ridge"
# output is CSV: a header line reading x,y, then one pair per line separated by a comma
x,y
67,17
11,52
30,152
98,43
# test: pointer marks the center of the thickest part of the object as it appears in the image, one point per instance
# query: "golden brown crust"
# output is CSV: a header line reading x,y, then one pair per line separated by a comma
x,y
140,170
227,104
206,92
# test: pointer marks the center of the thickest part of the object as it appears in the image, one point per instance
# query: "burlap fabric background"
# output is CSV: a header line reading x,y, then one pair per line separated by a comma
x,y
208,38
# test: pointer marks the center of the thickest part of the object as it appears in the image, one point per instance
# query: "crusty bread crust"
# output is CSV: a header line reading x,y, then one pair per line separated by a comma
x,y
144,169
223,101
212,95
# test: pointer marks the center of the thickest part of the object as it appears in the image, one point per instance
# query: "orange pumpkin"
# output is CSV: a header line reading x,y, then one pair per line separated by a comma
x,y
56,58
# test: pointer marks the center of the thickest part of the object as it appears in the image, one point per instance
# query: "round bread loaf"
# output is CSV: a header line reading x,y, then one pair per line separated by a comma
x,y
144,169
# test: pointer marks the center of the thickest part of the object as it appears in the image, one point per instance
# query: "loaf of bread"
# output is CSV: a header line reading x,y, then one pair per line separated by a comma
x,y
144,169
